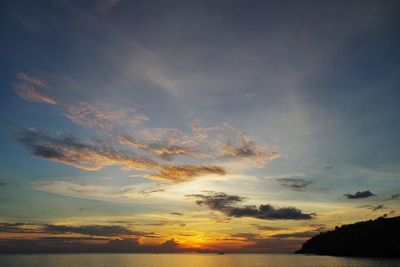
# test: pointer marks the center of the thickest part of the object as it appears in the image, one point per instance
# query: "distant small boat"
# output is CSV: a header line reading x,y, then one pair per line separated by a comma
x,y
221,253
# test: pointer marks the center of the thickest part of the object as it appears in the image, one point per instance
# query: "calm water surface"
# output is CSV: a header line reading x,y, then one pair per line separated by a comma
x,y
189,260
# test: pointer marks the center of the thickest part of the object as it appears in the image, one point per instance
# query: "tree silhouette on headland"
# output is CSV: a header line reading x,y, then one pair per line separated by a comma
x,y
373,238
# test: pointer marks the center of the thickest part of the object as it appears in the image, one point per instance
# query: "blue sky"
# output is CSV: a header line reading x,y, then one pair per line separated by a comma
x,y
131,111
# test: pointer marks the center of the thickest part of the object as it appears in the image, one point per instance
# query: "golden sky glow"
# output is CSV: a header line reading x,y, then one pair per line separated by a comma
x,y
195,126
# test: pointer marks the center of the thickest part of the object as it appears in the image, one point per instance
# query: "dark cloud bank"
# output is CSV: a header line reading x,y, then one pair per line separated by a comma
x,y
89,230
227,204
95,238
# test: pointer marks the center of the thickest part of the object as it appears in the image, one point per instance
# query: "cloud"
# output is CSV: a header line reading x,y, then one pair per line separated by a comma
x,y
268,212
359,194
29,88
96,230
170,245
201,132
246,236
165,148
151,191
273,245
393,197
178,173
103,116
226,204
176,213
295,184
378,207
372,207
70,151
260,244
141,148
267,228
19,228
247,149
305,234
217,201
97,155
89,230
56,244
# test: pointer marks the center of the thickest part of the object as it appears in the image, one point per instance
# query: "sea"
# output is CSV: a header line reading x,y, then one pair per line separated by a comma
x,y
189,260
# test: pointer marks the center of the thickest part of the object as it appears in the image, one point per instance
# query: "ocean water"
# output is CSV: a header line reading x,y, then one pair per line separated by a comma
x,y
189,260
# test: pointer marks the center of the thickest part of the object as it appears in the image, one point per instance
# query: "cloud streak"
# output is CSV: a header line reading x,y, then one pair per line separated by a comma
x,y
29,89
295,184
88,230
55,244
359,194
100,116
96,230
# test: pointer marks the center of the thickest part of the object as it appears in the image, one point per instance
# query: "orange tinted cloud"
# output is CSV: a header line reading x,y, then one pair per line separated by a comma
x,y
179,173
70,151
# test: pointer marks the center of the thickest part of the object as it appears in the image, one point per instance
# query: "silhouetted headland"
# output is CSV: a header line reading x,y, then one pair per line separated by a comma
x,y
373,238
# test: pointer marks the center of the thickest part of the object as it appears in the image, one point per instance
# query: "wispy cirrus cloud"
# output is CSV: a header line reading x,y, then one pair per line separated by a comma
x,y
102,116
100,192
125,144
29,88
227,204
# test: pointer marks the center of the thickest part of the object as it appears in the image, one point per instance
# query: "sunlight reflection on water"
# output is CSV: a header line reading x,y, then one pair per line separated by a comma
x,y
188,260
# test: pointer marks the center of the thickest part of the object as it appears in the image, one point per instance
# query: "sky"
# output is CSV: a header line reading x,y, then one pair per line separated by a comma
x,y
195,126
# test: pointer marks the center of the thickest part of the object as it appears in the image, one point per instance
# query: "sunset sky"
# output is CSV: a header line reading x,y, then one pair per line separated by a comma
x,y
195,126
